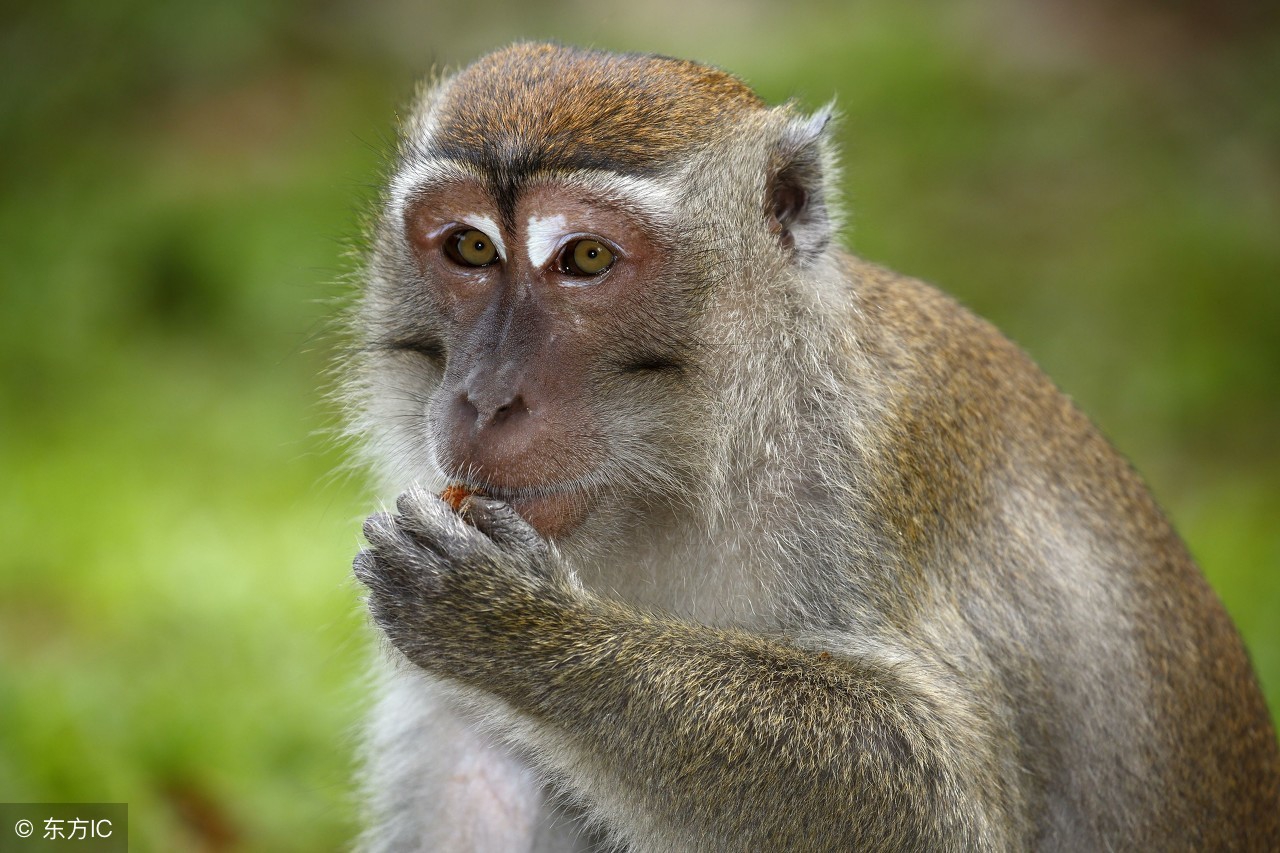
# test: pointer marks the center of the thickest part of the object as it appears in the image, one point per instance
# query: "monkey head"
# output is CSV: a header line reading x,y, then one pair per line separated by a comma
x,y
558,224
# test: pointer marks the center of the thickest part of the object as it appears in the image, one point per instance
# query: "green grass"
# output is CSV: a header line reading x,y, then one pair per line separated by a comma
x,y
181,183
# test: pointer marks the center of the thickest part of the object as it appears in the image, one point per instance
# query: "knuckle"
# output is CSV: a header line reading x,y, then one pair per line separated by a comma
x,y
408,503
377,527
364,565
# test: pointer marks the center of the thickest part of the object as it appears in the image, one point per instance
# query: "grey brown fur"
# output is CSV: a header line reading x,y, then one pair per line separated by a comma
x,y
851,574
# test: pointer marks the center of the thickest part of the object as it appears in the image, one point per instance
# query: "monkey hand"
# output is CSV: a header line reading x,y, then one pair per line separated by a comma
x,y
460,592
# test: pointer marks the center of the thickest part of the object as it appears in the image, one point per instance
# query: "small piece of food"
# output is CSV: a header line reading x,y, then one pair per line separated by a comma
x,y
456,494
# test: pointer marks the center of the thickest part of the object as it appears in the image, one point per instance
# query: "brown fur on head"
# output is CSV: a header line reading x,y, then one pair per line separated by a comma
x,y
536,107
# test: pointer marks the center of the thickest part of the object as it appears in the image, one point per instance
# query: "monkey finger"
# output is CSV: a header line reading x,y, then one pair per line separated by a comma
x,y
383,564
365,567
398,550
497,520
430,520
401,577
380,529
382,577
397,545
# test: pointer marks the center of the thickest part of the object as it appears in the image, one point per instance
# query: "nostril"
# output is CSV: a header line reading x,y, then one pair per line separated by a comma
x,y
510,409
468,410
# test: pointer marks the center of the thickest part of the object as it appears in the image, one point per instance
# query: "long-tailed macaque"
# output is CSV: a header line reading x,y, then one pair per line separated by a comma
x,y
749,545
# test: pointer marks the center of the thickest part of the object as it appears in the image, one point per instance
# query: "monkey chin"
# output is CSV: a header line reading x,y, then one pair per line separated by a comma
x,y
554,515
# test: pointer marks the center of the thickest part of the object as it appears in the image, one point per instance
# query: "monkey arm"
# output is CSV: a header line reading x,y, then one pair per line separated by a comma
x,y
665,713
673,722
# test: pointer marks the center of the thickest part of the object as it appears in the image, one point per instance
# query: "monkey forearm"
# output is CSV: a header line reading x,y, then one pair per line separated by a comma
x,y
663,713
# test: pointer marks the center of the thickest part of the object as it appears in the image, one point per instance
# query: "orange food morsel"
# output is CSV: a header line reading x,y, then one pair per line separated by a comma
x,y
455,494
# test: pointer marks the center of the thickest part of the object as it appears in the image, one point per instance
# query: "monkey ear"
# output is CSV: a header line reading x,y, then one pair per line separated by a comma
x,y
796,200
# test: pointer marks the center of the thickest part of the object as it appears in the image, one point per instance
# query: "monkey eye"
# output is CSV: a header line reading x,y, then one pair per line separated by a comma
x,y
585,257
470,248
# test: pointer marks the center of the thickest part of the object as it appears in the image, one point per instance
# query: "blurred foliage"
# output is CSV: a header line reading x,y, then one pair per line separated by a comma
x,y
180,188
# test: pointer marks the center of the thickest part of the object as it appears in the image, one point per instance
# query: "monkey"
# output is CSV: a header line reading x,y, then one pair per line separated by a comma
x,y
751,544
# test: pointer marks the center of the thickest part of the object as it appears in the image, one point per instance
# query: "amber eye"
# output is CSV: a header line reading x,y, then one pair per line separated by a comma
x,y
471,248
585,257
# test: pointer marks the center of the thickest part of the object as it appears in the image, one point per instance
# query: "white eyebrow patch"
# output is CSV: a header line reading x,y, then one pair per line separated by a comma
x,y
419,175
487,225
543,237
655,200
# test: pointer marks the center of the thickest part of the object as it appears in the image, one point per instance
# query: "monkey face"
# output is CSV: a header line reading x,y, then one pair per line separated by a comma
x,y
541,346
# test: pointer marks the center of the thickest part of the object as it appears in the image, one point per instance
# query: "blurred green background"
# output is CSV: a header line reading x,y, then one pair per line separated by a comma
x,y
181,184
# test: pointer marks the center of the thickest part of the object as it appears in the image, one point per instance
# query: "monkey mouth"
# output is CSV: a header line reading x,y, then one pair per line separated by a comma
x,y
553,509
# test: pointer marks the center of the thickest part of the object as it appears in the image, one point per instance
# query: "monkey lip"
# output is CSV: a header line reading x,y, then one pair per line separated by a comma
x,y
554,509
